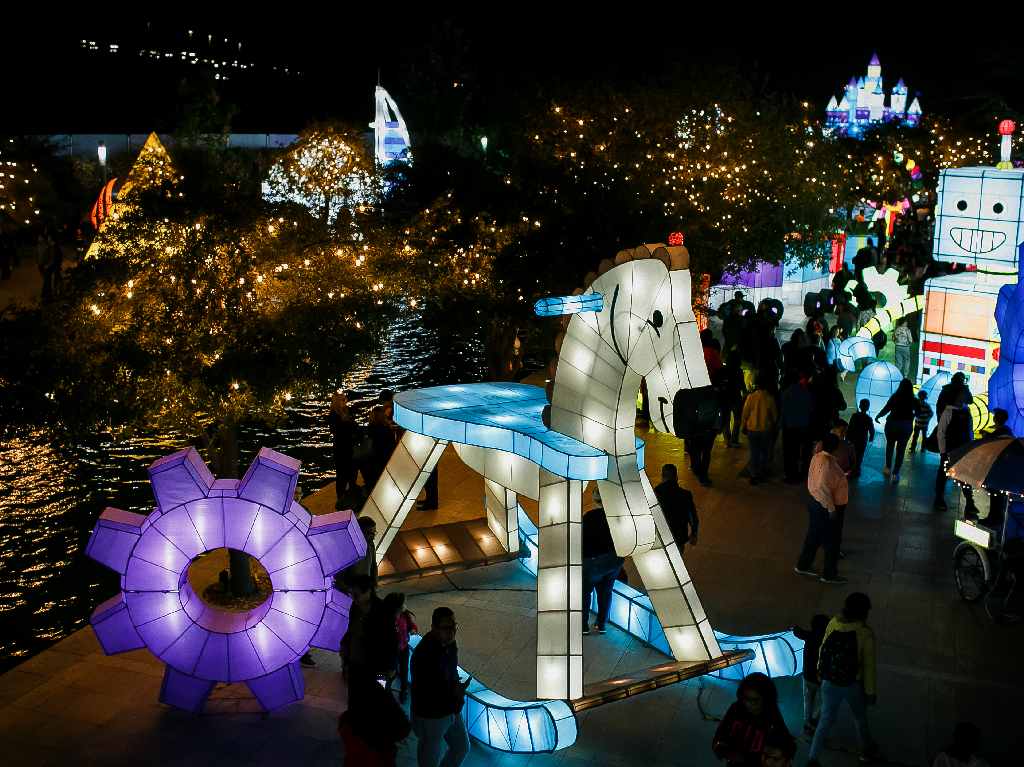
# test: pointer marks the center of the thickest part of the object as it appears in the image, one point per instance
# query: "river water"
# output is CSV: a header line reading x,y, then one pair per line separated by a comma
x,y
52,489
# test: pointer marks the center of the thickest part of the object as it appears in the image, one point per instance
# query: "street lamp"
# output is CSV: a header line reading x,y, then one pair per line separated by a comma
x,y
101,153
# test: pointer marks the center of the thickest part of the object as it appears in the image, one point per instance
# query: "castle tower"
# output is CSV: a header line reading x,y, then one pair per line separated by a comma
x,y
874,68
899,100
913,113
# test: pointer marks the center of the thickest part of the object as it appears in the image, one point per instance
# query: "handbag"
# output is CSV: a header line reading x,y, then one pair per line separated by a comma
x,y
931,442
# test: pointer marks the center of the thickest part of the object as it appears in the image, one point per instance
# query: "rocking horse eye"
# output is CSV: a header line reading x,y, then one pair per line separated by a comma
x,y
656,319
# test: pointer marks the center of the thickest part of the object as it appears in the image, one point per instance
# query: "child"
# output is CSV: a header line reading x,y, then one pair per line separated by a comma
x,y
860,432
921,420
812,684
999,428
405,624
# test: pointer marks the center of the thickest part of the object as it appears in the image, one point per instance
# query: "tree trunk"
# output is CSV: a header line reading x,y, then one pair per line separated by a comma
x,y
225,461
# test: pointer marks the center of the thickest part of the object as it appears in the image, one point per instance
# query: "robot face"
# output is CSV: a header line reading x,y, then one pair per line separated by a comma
x,y
978,217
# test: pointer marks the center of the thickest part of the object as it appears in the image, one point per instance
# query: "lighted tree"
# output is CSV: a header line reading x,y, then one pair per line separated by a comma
x,y
21,185
329,170
195,320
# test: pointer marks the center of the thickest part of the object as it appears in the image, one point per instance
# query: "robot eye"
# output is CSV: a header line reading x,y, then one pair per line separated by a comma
x,y
962,205
997,208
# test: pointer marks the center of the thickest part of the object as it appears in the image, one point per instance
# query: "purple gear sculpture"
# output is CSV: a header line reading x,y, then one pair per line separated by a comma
x,y
202,644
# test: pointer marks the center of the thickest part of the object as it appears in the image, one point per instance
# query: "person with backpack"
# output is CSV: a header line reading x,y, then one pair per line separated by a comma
x,y
760,416
697,418
812,638
749,723
846,667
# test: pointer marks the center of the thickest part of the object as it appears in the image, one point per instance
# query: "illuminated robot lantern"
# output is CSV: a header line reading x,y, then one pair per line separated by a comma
x,y
978,225
203,644
635,319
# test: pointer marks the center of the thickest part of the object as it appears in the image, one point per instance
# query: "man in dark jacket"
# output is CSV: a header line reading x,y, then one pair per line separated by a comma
x,y
677,505
438,694
812,683
600,564
797,405
952,431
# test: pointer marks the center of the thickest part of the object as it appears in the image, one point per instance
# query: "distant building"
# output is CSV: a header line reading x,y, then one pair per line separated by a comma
x,y
863,106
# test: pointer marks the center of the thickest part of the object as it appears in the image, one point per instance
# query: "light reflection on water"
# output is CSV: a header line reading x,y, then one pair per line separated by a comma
x,y
52,490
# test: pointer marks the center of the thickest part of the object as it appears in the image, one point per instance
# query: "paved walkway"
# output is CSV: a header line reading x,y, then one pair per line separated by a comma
x,y
940,660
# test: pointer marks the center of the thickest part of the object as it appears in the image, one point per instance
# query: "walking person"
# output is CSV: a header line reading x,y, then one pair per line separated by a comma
x,y
382,440
733,393
953,430
860,432
343,432
796,421
405,623
355,650
812,638
903,340
902,408
846,666
600,564
367,566
677,505
758,421
438,695
921,420
829,494
748,723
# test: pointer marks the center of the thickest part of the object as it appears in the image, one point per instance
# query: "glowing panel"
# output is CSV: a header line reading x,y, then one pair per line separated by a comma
x,y
561,305
200,643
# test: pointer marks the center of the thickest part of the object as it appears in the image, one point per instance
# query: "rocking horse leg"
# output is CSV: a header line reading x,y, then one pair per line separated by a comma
x,y
631,505
396,490
559,589
673,593
502,506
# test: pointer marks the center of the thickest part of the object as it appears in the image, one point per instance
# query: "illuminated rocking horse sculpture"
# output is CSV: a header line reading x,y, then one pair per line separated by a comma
x,y
635,320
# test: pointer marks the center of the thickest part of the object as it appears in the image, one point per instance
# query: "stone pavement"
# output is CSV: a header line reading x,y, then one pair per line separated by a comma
x,y
940,660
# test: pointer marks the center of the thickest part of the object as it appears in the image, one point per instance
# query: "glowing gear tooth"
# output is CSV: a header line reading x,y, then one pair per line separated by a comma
x,y
203,644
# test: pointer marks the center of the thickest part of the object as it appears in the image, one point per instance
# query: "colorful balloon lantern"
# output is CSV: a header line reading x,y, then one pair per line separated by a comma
x,y
877,382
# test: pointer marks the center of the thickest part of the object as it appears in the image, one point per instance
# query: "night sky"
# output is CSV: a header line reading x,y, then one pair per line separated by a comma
x,y
501,62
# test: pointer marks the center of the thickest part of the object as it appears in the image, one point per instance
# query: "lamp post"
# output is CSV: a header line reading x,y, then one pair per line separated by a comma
x,y
101,153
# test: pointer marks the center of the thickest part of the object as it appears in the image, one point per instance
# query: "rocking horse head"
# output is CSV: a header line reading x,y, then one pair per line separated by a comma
x,y
633,321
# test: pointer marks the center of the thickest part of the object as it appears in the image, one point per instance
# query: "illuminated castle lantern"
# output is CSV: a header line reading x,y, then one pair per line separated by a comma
x,y
863,105
634,320
391,141
979,229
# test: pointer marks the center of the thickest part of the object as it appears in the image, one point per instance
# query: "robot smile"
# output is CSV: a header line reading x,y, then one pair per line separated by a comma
x,y
976,240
